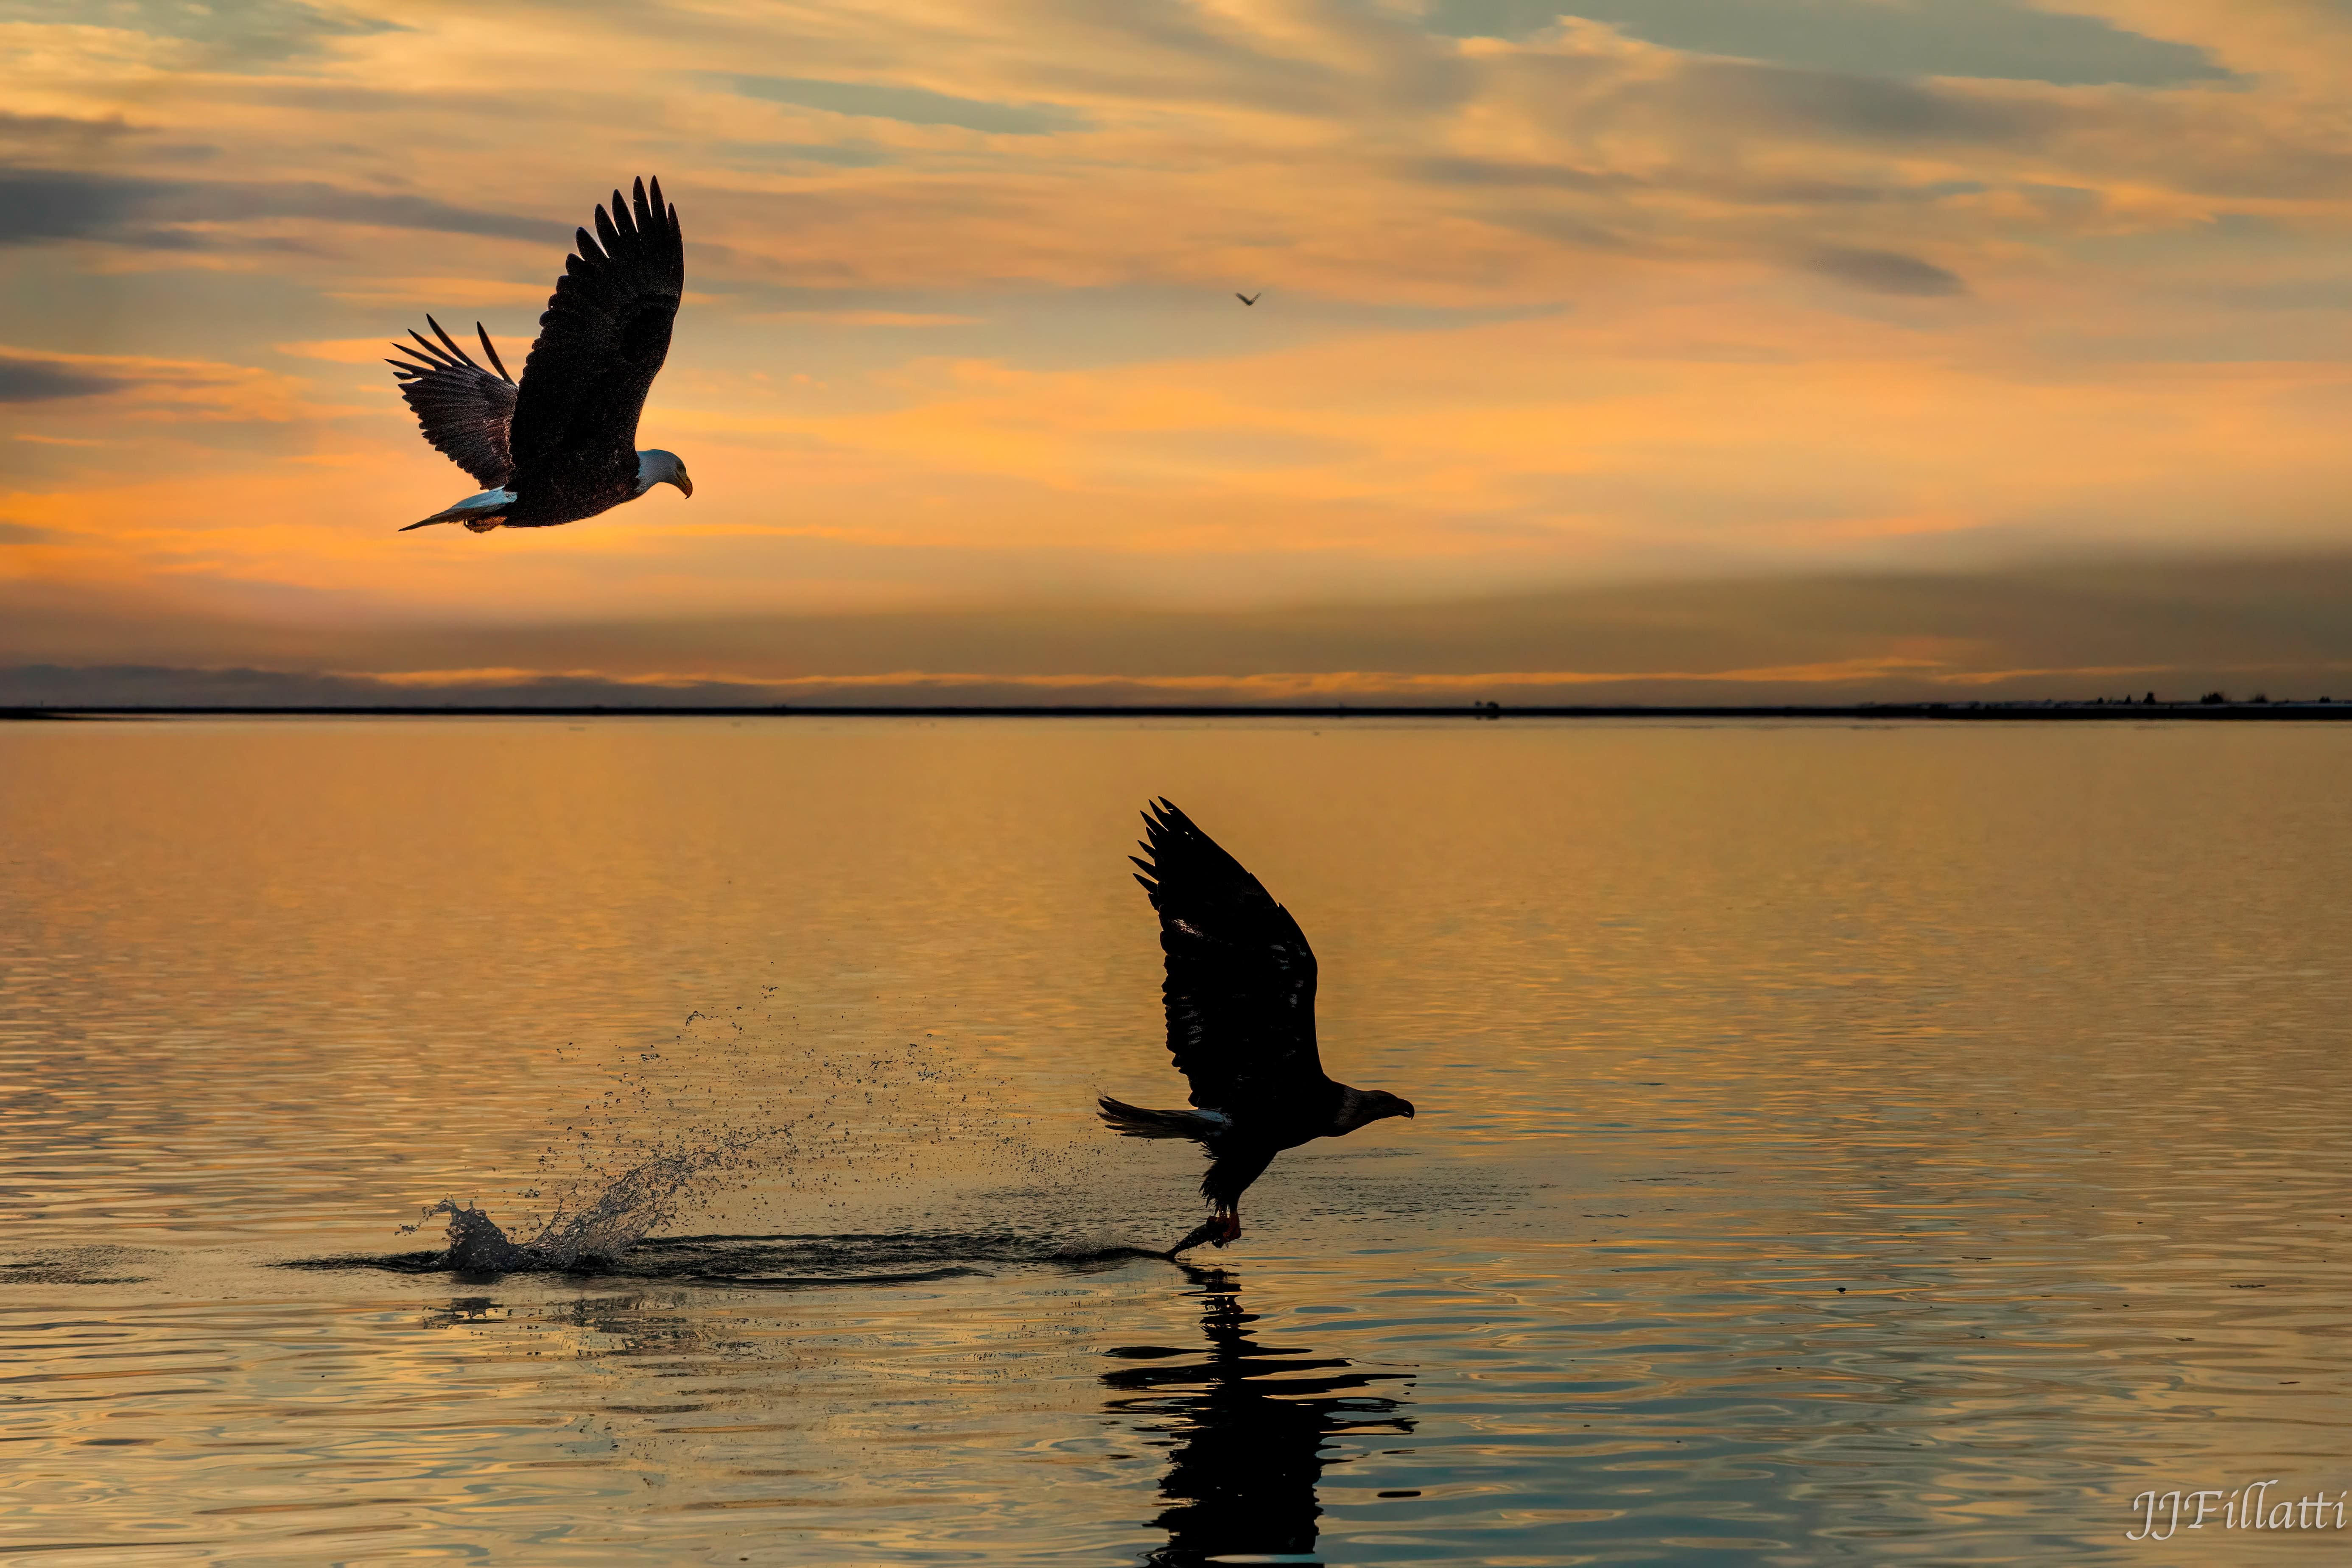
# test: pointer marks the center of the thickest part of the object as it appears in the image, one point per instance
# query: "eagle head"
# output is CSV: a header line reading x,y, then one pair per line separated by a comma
x,y
659,468
1359,1107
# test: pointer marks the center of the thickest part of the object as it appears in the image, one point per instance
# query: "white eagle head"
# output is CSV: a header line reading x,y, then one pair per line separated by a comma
x,y
660,468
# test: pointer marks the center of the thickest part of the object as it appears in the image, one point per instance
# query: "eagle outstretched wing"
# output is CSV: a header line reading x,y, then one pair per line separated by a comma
x,y
604,336
463,409
1240,991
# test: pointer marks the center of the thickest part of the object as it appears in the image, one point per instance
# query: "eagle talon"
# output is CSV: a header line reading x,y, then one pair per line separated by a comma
x,y
1206,1230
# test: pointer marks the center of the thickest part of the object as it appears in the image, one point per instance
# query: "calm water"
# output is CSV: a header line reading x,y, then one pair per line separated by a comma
x,y
1836,1144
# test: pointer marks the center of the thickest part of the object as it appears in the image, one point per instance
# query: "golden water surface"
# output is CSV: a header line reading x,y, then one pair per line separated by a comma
x,y
1834,1143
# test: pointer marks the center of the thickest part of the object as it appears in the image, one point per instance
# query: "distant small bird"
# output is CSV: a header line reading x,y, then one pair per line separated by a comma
x,y
1240,996
564,445
1249,299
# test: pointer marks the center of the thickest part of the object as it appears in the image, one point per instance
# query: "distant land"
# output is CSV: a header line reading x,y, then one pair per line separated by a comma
x,y
2279,628
2096,709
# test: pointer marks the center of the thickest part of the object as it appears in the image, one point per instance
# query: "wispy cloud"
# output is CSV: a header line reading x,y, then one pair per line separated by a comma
x,y
60,204
142,387
867,318
1888,272
1991,39
248,33
913,105
28,380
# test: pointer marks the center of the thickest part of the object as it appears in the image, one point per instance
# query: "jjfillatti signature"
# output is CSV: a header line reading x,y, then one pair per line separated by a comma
x,y
2239,1507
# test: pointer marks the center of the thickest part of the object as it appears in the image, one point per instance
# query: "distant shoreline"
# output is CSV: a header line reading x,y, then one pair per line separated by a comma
x,y
1998,712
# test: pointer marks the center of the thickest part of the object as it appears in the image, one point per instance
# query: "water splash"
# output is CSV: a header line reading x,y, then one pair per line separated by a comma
x,y
733,1103
610,1221
477,1244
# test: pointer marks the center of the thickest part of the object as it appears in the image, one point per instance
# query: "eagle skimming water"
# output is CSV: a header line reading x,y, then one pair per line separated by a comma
x,y
1240,994
564,445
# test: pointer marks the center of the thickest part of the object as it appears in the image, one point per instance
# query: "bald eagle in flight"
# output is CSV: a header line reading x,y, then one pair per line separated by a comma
x,y
564,445
1240,996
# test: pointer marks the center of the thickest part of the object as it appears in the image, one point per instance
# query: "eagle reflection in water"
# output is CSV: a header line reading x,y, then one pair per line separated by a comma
x,y
1251,1427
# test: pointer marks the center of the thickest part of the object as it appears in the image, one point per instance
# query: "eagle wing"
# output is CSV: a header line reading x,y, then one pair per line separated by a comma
x,y
1240,991
604,336
463,409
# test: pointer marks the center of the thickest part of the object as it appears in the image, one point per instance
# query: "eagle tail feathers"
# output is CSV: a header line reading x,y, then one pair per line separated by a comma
x,y
1135,1121
479,512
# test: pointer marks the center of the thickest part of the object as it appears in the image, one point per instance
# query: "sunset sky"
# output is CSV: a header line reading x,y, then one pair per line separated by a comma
x,y
1785,348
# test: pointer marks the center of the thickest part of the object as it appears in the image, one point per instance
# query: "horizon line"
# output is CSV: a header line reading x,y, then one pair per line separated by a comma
x,y
2062,709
